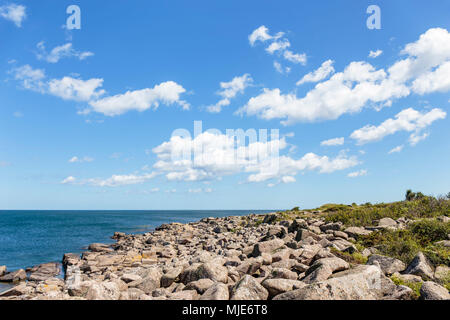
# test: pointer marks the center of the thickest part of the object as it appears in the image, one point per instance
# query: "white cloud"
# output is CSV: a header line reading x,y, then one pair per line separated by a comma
x,y
408,120
59,52
374,54
121,180
200,190
30,78
396,149
166,93
83,159
295,57
230,90
320,74
333,142
278,44
69,88
217,155
359,173
344,92
415,138
424,70
14,12
280,69
69,180
262,34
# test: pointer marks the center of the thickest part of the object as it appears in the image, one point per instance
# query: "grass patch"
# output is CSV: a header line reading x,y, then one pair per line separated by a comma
x,y
405,244
355,257
365,215
415,286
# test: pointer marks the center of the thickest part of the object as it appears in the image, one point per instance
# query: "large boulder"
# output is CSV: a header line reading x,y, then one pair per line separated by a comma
x,y
387,264
217,291
357,232
360,283
171,276
432,291
249,289
103,291
100,247
277,286
267,246
322,269
387,222
212,270
14,276
200,285
420,266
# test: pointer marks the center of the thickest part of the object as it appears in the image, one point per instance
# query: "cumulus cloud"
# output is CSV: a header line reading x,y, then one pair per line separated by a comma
x,y
83,159
278,45
424,70
374,54
409,120
229,90
333,142
280,68
320,74
396,149
121,180
200,190
59,52
69,180
212,156
13,12
166,93
67,88
359,173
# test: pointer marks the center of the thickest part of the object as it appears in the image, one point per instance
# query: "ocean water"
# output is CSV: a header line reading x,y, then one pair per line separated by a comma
x,y
29,238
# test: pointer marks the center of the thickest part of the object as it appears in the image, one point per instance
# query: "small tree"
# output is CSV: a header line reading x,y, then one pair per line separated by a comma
x,y
409,195
448,196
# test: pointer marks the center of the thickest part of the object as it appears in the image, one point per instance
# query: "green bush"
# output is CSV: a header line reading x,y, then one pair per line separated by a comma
x,y
415,286
429,231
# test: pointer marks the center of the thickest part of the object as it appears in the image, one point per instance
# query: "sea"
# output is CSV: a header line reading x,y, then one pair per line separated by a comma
x,y
31,237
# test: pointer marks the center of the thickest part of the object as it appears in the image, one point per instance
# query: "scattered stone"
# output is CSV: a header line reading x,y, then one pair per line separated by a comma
x,y
432,291
249,289
14,276
420,266
277,286
387,264
357,232
217,291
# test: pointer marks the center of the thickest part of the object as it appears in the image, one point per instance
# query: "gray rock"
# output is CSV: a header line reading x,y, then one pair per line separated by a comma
x,y
130,277
357,232
249,289
420,266
441,273
335,226
200,285
14,276
267,246
170,277
278,286
217,291
360,283
100,247
283,273
322,269
2,270
387,264
432,291
387,222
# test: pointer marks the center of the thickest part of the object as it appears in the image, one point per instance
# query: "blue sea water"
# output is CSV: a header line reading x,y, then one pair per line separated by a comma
x,y
29,238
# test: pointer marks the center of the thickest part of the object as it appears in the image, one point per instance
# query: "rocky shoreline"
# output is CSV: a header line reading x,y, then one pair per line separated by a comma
x,y
254,257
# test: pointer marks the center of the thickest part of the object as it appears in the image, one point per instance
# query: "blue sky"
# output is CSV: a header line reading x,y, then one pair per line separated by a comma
x,y
87,116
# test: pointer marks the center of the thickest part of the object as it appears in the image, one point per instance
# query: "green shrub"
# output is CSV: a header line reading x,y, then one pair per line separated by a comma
x,y
415,286
429,231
